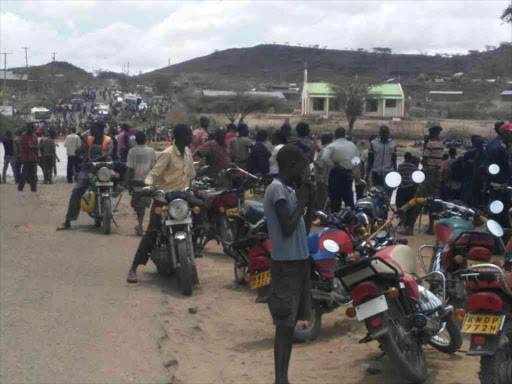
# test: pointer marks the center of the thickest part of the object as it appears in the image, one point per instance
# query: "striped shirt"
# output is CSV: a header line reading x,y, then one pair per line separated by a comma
x,y
240,150
406,170
433,153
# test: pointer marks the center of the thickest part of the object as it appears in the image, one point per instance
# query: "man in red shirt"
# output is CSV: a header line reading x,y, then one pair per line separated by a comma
x,y
29,157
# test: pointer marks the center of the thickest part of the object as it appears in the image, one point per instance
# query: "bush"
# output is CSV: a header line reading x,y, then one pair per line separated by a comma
x,y
10,124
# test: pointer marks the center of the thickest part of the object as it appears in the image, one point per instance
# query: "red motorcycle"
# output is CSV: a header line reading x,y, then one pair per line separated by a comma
x,y
489,321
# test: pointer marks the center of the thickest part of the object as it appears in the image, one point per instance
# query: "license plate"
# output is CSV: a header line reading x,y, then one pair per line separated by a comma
x,y
473,262
260,280
232,211
372,308
178,222
482,324
104,184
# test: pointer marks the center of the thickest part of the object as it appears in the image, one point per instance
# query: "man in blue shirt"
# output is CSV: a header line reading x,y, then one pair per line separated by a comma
x,y
290,298
497,153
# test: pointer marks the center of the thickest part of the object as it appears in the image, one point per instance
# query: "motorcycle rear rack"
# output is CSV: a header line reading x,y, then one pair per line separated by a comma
x,y
420,255
443,280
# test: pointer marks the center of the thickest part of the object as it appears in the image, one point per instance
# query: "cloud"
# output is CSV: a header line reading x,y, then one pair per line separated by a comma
x,y
108,34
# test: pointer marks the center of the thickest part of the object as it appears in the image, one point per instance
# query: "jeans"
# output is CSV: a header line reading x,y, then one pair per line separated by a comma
x,y
47,163
9,160
73,163
340,188
28,174
82,183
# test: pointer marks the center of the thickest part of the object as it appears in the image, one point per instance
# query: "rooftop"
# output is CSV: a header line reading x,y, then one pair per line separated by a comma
x,y
320,89
507,92
217,93
9,75
388,91
445,93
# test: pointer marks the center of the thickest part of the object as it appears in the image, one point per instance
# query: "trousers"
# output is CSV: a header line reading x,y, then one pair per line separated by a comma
x,y
72,168
340,188
47,163
9,160
28,175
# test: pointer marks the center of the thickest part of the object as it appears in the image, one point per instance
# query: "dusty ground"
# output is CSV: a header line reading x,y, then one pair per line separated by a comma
x,y
68,316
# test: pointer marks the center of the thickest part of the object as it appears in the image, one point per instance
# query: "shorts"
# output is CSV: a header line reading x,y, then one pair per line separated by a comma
x,y
290,297
139,201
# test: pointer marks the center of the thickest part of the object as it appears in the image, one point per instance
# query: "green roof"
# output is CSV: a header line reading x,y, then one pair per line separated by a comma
x,y
388,91
324,89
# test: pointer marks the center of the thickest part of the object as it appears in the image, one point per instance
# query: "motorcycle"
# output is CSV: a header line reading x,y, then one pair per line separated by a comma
x,y
488,320
457,244
173,251
98,201
398,312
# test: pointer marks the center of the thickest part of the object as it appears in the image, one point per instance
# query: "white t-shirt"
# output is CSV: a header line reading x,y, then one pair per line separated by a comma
x,y
72,143
274,168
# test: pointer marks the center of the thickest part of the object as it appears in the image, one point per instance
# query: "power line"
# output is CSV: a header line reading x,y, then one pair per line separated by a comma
x,y
5,73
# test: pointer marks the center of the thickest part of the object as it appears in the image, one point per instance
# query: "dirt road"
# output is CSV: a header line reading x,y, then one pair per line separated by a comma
x,y
68,316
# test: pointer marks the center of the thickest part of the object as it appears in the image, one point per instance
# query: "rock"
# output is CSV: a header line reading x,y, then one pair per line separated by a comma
x,y
171,363
197,328
192,310
373,371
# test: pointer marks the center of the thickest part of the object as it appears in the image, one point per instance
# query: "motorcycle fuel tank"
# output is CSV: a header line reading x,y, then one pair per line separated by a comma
x,y
446,228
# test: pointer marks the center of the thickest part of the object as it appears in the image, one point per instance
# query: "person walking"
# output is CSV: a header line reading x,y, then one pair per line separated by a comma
x,y
382,157
290,297
73,145
258,162
48,155
123,142
140,161
338,157
322,171
29,157
240,146
9,158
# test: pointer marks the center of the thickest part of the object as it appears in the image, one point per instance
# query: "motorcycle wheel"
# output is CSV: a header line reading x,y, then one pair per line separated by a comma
x,y
107,215
239,271
404,351
185,281
450,340
491,367
97,222
226,232
309,330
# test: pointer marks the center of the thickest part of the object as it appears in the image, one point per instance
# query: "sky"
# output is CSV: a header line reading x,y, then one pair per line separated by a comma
x,y
107,35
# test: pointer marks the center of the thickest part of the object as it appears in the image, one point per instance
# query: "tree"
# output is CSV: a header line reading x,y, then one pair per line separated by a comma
x,y
161,83
239,106
506,16
352,96
382,50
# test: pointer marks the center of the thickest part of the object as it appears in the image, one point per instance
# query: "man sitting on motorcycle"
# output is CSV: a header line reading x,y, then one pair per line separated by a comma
x,y
174,171
96,153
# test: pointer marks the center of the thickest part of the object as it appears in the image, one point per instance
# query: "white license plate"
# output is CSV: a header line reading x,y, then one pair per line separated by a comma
x,y
106,184
371,308
179,222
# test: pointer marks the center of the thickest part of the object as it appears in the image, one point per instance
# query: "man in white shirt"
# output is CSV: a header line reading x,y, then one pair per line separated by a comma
x,y
338,157
73,143
140,160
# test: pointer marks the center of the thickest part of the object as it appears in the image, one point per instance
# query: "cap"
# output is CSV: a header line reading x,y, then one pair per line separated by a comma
x,y
433,125
506,128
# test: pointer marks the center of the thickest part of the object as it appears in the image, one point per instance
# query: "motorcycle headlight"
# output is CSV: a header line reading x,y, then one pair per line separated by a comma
x,y
178,209
104,174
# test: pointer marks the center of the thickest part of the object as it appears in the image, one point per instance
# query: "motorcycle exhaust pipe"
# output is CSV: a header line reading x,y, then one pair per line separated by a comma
x,y
329,297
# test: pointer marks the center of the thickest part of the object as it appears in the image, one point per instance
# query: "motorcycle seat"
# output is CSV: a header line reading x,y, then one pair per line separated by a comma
x,y
252,211
400,256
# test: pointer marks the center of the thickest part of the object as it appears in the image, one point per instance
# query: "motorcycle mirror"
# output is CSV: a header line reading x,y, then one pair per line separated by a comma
x,y
494,169
332,246
393,179
494,228
356,161
321,215
496,207
418,177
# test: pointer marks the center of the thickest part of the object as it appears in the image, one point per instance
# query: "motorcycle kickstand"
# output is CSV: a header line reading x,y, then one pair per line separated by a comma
x,y
114,221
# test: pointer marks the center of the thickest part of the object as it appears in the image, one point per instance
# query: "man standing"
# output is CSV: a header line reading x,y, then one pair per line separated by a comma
x,y
216,154
304,142
200,135
141,159
73,143
8,143
432,158
48,152
290,298
382,157
29,149
173,171
240,146
123,142
338,157
322,173
99,145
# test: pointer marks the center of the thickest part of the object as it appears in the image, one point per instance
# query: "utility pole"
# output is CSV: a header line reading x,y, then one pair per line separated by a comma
x,y
128,70
26,65
5,73
53,68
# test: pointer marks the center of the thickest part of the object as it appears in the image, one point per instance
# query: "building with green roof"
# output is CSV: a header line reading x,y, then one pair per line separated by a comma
x,y
384,100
